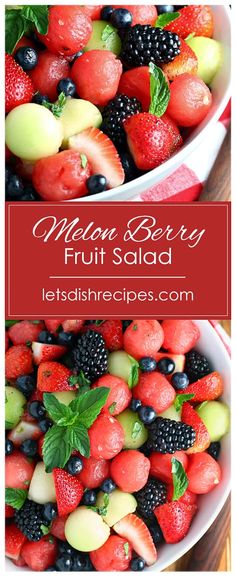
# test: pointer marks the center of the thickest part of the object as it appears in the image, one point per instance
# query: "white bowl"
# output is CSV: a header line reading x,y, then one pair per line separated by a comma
x,y
210,505
221,94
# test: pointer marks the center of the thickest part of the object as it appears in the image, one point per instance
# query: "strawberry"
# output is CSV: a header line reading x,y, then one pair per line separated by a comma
x,y
40,446
190,417
101,154
186,62
175,519
41,554
43,352
18,86
6,341
196,20
72,326
25,331
18,361
69,491
151,140
179,336
9,511
58,527
14,541
24,430
18,471
137,534
112,333
53,326
207,388
188,498
19,562
53,376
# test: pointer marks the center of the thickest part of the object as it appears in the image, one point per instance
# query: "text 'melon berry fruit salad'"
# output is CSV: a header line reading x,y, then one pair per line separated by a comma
x,y
98,95
113,429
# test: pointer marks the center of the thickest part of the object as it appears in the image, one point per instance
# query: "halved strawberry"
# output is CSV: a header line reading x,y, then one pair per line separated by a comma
x,y
53,326
190,417
18,86
136,532
53,376
58,527
9,511
69,491
24,430
14,540
101,154
43,352
41,554
186,62
25,331
70,326
175,519
193,19
19,562
40,446
207,388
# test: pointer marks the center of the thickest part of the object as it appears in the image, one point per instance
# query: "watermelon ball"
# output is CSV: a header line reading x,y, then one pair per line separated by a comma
x,y
204,473
114,555
154,390
106,437
119,396
143,338
130,470
61,176
136,82
69,30
190,100
18,471
49,70
180,335
94,472
103,70
161,464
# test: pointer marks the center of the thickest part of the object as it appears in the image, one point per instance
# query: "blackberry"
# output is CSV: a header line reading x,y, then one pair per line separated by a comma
x,y
113,115
214,450
143,44
29,520
167,436
90,356
151,495
196,366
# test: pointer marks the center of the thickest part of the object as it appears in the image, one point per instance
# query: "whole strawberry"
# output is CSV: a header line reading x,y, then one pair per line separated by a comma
x,y
18,86
193,19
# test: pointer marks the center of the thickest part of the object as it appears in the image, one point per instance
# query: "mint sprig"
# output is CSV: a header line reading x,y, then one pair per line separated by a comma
x,y
21,21
107,32
134,373
166,18
180,479
56,107
181,399
159,91
70,431
15,497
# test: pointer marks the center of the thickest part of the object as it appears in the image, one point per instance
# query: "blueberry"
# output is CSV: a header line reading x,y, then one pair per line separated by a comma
x,y
180,381
67,86
50,511
40,98
135,405
46,337
214,450
64,563
129,166
64,547
87,564
26,384
45,424
147,415
147,364
166,366
165,9
121,18
125,325
74,465
156,533
108,486
78,563
29,447
26,57
66,339
9,447
137,564
8,173
29,194
89,497
36,409
106,13
96,183
15,186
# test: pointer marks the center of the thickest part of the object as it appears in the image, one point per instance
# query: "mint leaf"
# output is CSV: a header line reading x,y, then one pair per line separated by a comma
x,y
56,107
107,31
84,160
112,408
15,497
136,430
8,424
165,19
82,379
56,448
134,373
38,15
45,530
180,479
98,323
9,324
89,405
15,27
126,548
103,510
181,399
159,91
56,410
79,439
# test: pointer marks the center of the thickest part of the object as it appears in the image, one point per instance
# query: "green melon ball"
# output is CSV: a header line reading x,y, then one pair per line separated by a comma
x,y
209,53
65,397
171,413
104,37
120,365
85,530
120,504
14,406
77,115
216,417
32,132
135,432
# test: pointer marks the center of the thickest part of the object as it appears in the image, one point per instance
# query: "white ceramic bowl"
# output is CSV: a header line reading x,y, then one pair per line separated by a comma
x,y
209,505
221,95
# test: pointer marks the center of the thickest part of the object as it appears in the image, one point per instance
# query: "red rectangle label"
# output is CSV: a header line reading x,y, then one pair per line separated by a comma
x,y
107,260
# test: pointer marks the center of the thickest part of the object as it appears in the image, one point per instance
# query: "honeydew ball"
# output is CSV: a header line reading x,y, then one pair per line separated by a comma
x,y
209,53
171,413
120,364
77,115
85,530
216,417
14,406
135,432
42,488
120,504
102,39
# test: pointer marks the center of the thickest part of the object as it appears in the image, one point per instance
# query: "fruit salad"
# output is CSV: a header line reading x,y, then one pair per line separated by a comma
x,y
113,430
98,95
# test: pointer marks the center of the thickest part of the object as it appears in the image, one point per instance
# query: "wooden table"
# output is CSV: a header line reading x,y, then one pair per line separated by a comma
x,y
225,561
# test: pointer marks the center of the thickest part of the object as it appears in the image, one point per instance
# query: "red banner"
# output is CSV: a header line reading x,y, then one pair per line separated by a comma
x,y
108,260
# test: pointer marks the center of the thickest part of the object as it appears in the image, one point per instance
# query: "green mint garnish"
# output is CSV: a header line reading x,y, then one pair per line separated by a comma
x,y
181,399
135,327
180,479
80,380
15,497
112,408
165,19
136,430
84,160
21,21
134,373
103,510
8,424
107,32
70,431
159,91
126,548
98,323
9,324
56,107
45,530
